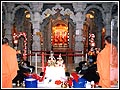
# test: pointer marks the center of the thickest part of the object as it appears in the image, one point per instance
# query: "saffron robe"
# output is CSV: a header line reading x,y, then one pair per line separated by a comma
x,y
9,66
106,60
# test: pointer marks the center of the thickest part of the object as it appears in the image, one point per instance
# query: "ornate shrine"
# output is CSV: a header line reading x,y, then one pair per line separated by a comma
x,y
59,35
59,31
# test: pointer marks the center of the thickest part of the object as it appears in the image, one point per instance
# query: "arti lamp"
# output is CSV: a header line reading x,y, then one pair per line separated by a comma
x,y
15,41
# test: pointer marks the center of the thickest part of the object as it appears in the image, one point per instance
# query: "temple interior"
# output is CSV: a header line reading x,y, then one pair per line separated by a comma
x,y
67,30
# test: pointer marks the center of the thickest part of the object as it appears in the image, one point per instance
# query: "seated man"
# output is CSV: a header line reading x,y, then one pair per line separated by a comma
x,y
89,72
24,67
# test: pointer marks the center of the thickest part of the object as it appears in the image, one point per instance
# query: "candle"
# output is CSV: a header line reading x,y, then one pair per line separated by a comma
x,y
36,62
42,61
86,56
30,57
82,56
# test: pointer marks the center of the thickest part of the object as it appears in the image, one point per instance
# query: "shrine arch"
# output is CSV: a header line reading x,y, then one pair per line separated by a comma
x,y
54,28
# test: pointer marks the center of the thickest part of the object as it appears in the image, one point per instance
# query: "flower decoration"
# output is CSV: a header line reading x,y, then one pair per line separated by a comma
x,y
58,82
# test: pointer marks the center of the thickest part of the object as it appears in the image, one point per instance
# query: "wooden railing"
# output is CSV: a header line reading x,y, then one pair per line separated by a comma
x,y
43,54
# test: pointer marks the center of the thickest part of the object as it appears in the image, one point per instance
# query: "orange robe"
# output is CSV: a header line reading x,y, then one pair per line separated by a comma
x,y
9,66
114,66
105,58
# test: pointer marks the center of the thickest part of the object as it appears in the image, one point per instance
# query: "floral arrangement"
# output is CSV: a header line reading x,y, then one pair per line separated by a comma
x,y
51,60
60,61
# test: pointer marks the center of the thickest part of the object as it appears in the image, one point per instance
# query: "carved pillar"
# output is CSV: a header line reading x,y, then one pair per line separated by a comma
x,y
78,39
108,24
49,36
8,23
36,43
36,8
114,31
107,18
79,8
8,27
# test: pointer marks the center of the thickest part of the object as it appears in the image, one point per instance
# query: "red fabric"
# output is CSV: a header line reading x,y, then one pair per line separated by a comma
x,y
35,76
70,81
42,78
26,74
75,76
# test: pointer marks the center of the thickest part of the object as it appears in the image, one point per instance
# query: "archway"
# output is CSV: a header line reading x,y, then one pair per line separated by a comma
x,y
93,24
58,32
22,17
